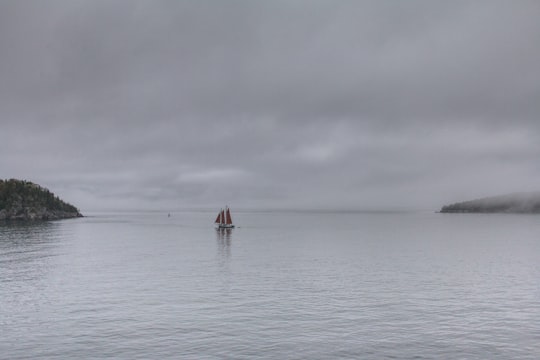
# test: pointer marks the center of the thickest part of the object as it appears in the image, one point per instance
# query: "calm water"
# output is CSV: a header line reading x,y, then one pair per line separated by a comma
x,y
282,286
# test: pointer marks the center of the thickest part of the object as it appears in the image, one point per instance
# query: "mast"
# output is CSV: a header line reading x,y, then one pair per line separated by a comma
x,y
228,219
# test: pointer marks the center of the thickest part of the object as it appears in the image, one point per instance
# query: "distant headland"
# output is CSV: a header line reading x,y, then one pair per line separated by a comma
x,y
518,203
24,200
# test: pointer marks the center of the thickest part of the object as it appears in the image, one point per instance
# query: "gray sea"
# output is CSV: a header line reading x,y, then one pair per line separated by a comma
x,y
283,285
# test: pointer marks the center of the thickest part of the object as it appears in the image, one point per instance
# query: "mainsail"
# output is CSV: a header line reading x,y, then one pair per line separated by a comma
x,y
228,219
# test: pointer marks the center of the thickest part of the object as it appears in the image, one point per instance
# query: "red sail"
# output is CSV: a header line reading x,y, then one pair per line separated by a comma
x,y
222,217
218,219
228,219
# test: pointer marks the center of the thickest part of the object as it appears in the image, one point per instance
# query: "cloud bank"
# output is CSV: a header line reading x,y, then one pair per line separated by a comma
x,y
302,104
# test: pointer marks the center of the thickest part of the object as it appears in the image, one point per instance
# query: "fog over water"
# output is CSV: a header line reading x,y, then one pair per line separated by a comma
x,y
303,104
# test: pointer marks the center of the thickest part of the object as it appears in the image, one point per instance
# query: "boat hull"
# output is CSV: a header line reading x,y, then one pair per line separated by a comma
x,y
225,226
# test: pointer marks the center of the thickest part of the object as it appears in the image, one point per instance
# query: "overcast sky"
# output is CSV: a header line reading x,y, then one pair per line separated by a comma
x,y
270,104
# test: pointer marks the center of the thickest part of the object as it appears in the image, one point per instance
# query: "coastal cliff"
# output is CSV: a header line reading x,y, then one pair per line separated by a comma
x,y
520,203
24,200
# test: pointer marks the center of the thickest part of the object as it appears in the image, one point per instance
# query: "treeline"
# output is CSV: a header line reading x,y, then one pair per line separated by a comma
x,y
511,203
22,194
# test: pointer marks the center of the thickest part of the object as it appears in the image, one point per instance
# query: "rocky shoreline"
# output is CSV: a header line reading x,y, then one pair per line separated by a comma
x,y
37,214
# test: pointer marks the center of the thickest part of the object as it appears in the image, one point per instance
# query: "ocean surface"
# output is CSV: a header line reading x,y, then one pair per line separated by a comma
x,y
283,285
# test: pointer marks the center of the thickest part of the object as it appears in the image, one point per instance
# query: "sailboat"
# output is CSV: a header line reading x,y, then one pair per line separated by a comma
x,y
224,219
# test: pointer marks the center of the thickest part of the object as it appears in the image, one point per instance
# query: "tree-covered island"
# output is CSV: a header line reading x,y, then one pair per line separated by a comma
x,y
24,200
519,203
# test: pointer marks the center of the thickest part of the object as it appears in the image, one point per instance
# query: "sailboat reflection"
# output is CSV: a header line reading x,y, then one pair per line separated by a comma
x,y
224,241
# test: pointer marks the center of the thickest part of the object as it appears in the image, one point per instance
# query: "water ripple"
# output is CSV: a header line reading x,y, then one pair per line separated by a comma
x,y
316,287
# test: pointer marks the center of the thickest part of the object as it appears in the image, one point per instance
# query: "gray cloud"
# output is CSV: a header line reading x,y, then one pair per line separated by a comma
x,y
345,104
